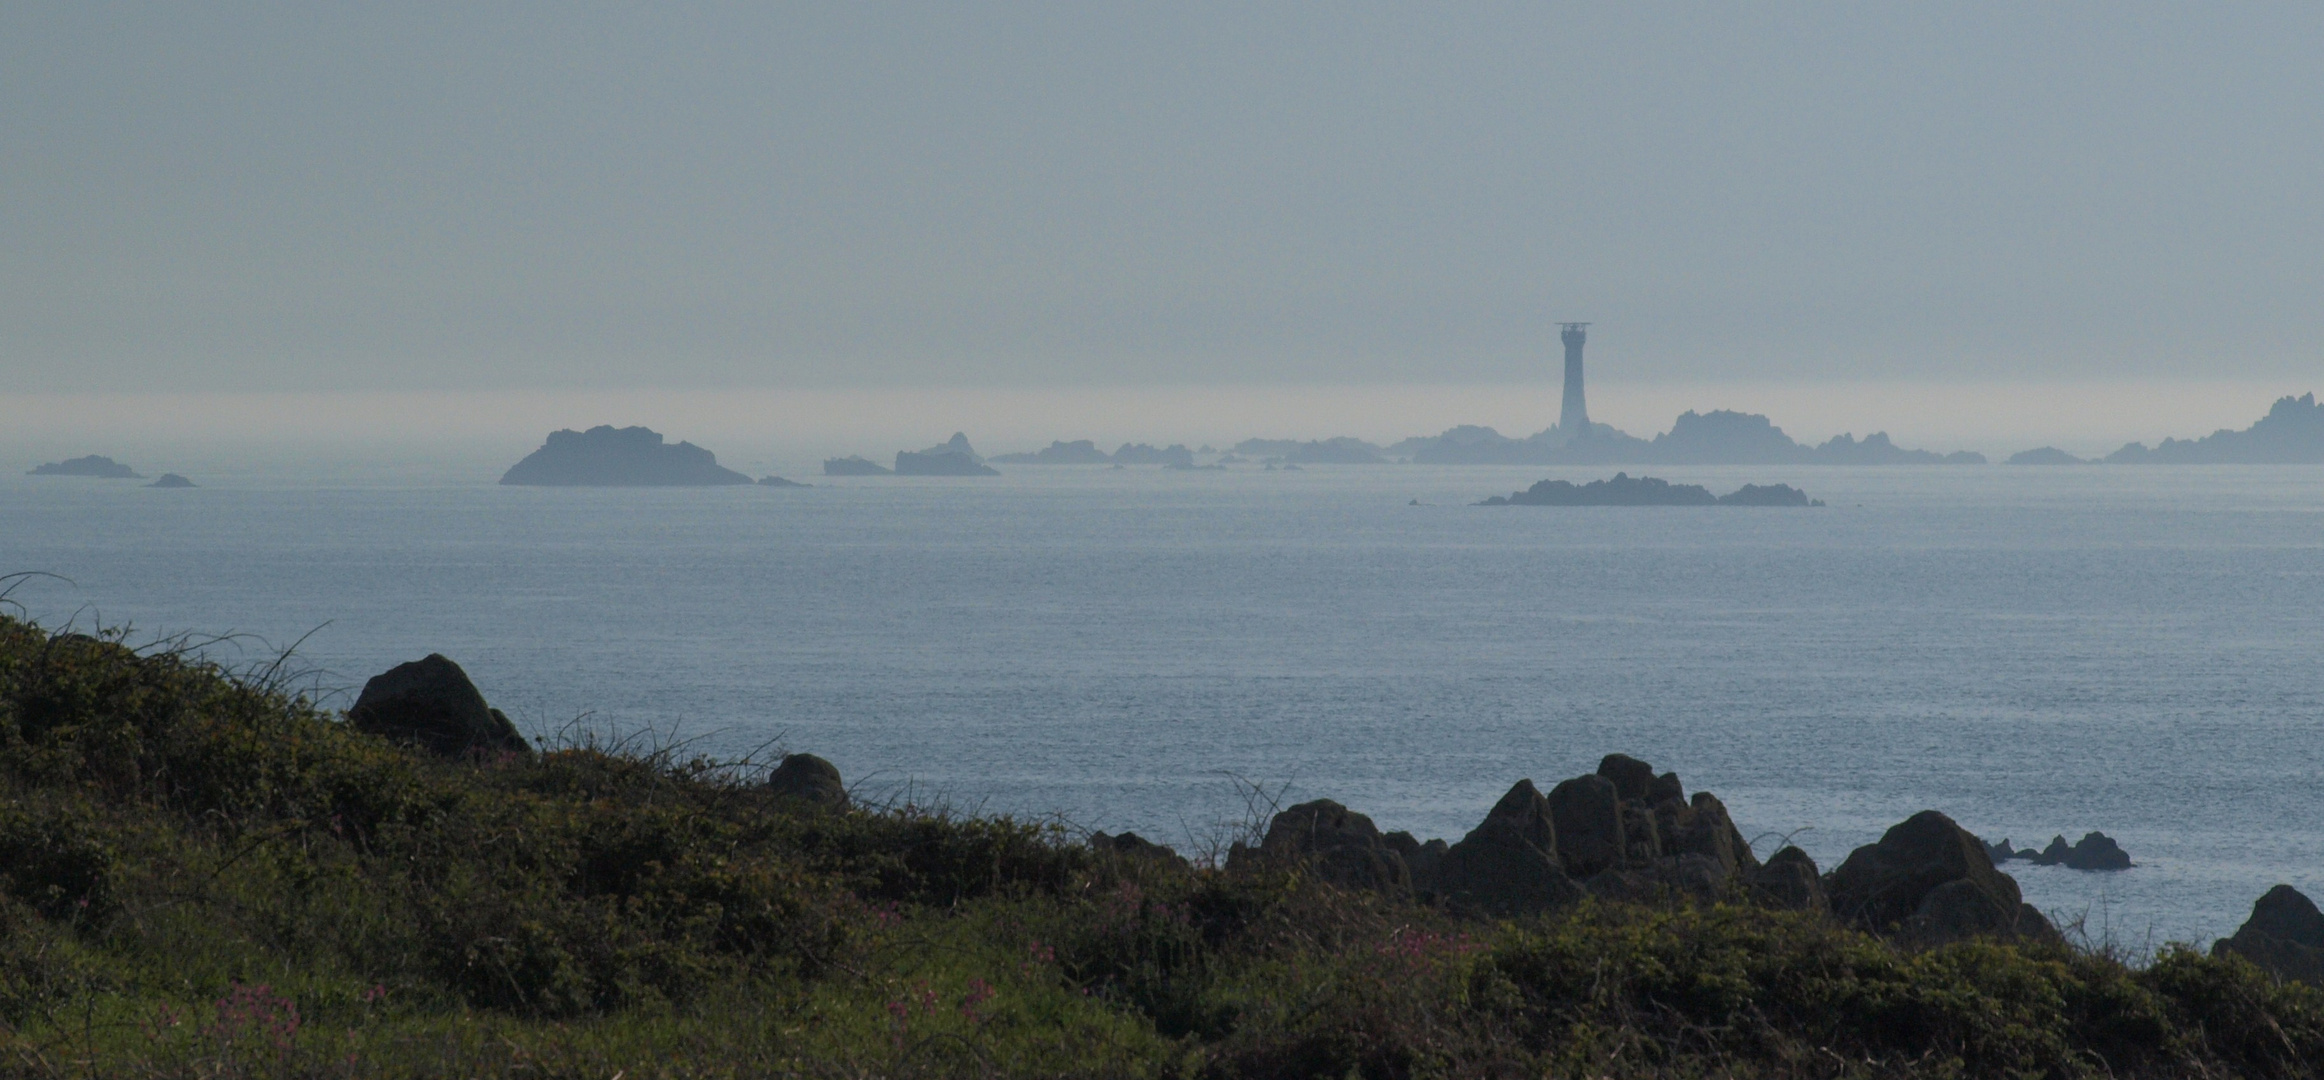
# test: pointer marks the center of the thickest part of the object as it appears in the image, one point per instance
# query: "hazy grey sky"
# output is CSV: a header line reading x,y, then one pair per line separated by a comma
x,y
347,197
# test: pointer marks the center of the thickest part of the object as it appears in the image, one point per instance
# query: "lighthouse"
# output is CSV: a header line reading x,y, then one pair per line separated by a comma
x,y
1574,417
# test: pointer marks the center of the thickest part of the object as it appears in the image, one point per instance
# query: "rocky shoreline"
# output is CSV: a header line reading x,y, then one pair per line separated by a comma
x,y
1623,833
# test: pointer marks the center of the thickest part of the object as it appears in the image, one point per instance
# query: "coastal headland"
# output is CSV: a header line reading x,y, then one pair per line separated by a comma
x,y
206,873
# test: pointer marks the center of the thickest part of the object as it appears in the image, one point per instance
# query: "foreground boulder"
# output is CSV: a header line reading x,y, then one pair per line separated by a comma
x,y
1508,864
1137,847
1788,882
2284,936
431,704
808,779
1337,845
1929,881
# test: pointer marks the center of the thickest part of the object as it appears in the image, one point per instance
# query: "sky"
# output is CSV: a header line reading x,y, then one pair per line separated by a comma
x,y
1835,206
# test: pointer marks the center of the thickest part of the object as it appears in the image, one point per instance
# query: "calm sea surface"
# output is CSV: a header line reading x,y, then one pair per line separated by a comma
x,y
2034,651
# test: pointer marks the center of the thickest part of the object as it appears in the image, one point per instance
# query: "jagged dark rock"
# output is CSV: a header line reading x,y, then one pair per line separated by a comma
x,y
1587,813
2097,851
432,704
809,779
1421,861
854,466
1666,786
1632,778
950,458
1704,828
96,465
1136,847
1508,864
2284,936
607,456
1929,881
171,480
1788,881
1338,845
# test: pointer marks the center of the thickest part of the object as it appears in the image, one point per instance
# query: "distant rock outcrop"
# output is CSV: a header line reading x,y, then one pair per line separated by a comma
x,y
1718,437
1768,495
1343,450
431,703
2292,433
777,481
96,465
1175,455
2284,936
808,779
1929,881
950,458
854,466
2048,455
171,480
2095,851
607,456
1623,490
1077,452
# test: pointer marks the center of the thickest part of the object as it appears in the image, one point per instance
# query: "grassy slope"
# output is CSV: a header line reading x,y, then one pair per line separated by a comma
x,y
205,876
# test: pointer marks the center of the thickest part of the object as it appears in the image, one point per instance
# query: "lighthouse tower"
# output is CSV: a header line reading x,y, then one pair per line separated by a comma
x,y
1574,418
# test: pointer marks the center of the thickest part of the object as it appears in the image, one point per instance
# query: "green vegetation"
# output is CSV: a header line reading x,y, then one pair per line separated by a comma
x,y
205,875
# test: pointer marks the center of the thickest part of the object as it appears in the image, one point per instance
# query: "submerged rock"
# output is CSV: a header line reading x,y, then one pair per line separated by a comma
x,y
430,703
1929,881
607,456
96,465
2284,936
809,779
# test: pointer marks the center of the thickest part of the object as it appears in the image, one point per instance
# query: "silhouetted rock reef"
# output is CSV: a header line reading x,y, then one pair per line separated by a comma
x,y
431,703
2095,851
96,465
607,456
1343,450
950,458
1176,455
1623,490
2292,433
1077,452
854,466
777,481
1719,437
171,480
2048,455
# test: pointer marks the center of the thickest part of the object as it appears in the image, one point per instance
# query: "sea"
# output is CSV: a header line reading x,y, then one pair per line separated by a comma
x,y
2034,651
